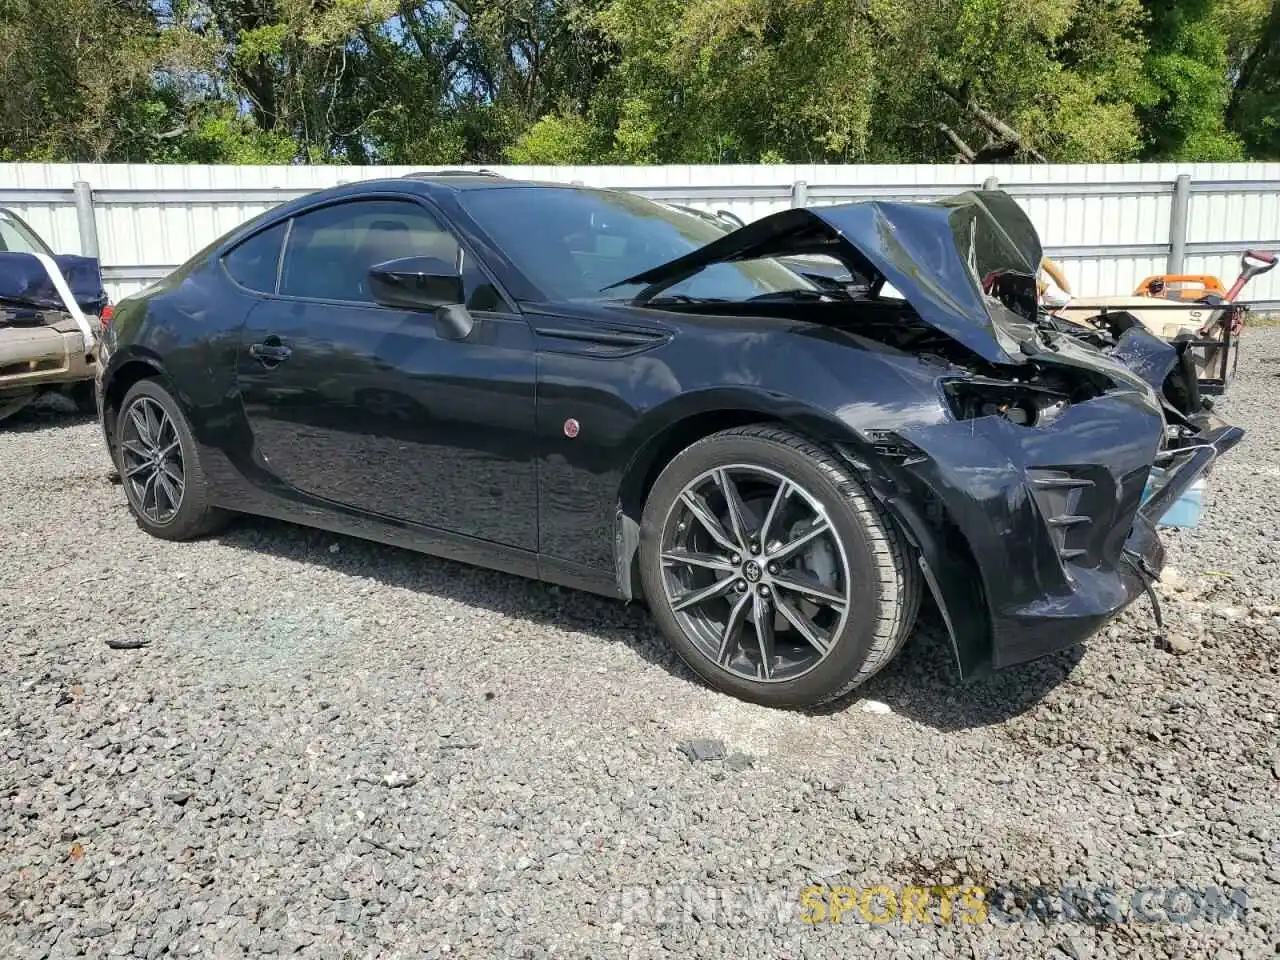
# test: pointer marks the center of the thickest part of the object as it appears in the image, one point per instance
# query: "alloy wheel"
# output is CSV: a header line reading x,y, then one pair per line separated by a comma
x,y
755,573
152,468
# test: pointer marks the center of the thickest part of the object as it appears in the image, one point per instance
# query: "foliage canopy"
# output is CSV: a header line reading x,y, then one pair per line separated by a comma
x,y
638,81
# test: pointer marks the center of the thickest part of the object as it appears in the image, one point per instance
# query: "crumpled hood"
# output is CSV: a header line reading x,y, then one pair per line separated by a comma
x,y
937,255
23,279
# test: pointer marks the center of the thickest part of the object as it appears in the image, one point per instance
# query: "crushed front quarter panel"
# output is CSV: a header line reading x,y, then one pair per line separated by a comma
x,y
1047,513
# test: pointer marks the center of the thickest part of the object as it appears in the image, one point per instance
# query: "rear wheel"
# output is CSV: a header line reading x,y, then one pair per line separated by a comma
x,y
159,466
771,571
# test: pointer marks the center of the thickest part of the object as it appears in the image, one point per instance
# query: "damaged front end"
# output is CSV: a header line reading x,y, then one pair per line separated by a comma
x,y
1050,484
49,309
1052,474
1056,516
1032,497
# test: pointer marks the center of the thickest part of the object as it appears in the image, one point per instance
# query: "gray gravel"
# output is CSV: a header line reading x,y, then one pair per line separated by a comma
x,y
333,749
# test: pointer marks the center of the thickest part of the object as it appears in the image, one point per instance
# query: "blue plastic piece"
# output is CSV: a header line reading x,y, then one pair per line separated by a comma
x,y
1186,510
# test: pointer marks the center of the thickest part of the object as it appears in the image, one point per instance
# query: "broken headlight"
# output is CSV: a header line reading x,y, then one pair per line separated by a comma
x,y
1021,404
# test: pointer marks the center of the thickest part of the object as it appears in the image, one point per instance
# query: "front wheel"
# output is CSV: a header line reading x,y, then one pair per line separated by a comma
x,y
159,466
771,571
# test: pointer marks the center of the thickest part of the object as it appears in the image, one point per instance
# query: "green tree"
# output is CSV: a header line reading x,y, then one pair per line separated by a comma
x,y
1253,52
89,79
638,81
1001,79
871,80
1185,115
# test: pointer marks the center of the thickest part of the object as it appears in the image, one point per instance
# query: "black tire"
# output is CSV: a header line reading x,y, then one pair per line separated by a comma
x,y
82,395
883,579
195,515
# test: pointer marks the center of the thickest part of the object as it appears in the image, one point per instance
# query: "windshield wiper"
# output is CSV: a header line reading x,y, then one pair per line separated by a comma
x,y
797,295
681,298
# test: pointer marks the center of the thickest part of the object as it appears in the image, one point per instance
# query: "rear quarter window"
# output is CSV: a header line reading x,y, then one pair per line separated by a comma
x,y
255,263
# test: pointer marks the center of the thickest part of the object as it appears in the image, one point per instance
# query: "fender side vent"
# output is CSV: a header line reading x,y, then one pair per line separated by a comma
x,y
1062,499
1044,480
888,444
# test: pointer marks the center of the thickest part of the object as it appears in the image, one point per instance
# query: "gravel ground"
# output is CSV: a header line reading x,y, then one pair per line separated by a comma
x,y
335,749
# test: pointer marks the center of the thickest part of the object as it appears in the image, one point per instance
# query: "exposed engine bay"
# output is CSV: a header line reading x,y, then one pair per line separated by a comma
x,y
1031,393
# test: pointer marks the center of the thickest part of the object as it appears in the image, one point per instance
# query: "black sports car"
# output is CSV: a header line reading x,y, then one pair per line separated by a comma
x,y
592,389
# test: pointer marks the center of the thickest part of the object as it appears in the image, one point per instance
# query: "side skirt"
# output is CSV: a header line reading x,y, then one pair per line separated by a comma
x,y
436,543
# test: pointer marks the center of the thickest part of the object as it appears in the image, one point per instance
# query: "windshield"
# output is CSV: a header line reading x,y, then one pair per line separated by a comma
x,y
17,237
572,244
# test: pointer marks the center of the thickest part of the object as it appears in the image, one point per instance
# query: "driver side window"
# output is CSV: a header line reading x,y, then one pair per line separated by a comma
x,y
330,250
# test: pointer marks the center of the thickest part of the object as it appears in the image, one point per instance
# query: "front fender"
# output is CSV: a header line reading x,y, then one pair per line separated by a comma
x,y
832,386
632,413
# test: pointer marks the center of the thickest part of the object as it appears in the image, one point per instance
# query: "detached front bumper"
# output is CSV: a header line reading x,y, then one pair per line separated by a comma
x,y
1053,519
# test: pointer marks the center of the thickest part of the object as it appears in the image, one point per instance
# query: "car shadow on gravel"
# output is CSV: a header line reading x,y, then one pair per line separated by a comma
x,y
922,683
45,414
506,594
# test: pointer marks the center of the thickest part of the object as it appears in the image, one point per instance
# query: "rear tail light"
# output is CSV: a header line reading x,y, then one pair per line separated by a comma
x,y
106,316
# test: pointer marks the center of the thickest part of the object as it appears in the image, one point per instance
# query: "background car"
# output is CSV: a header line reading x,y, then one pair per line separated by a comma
x,y
46,327
596,390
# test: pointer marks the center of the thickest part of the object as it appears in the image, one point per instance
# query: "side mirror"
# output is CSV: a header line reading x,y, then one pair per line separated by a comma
x,y
415,283
423,283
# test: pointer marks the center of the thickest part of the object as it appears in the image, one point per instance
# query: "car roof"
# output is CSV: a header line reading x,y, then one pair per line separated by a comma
x,y
457,181
438,183
460,177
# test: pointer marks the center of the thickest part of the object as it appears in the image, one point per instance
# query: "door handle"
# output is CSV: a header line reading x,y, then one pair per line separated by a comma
x,y
270,353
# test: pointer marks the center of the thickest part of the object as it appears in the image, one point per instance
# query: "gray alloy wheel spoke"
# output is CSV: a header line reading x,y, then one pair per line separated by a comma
x,y
695,597
737,509
151,452
711,561
705,517
810,589
788,549
779,498
140,425
794,586
729,642
170,493
802,626
765,638
173,476
149,488
154,423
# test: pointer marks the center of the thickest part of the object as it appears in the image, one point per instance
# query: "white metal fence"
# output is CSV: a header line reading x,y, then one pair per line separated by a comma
x,y
1110,225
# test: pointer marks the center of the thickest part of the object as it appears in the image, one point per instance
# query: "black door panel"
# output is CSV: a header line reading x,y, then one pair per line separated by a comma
x,y
365,406
372,410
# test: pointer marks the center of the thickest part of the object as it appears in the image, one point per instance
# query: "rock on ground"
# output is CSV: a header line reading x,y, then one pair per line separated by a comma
x,y
367,753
